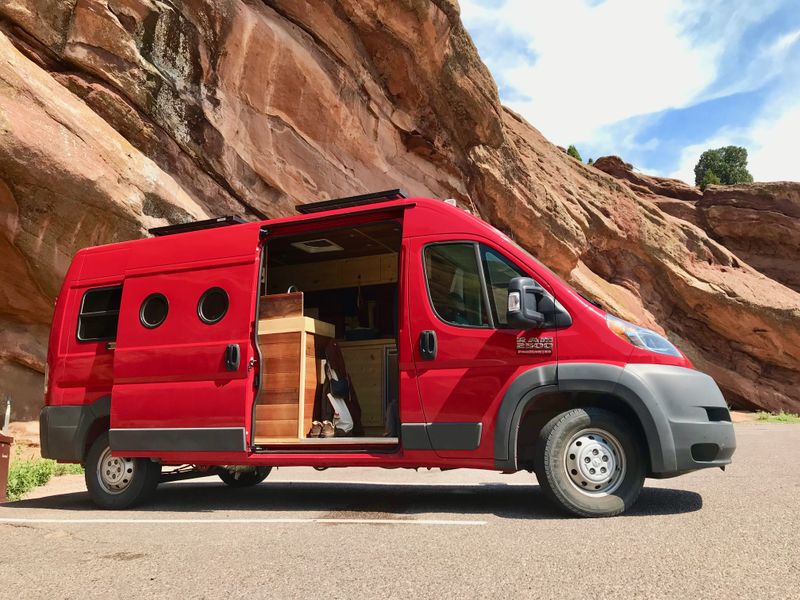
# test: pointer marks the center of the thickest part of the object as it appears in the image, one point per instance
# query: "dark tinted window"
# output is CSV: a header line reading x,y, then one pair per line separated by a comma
x,y
454,284
499,272
154,310
213,305
99,314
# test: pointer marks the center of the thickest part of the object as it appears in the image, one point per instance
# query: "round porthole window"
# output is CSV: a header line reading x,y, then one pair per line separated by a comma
x,y
213,305
154,310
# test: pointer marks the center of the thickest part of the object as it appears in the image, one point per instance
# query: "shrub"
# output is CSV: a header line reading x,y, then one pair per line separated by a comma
x,y
573,152
27,474
781,417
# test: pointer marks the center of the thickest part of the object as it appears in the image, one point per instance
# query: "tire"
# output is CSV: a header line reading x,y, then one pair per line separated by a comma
x,y
126,482
590,462
244,478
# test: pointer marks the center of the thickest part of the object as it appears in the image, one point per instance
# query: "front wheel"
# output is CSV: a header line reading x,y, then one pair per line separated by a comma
x,y
590,462
115,482
248,478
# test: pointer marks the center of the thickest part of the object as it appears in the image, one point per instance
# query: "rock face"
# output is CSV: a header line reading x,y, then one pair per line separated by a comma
x,y
760,223
117,115
647,185
673,196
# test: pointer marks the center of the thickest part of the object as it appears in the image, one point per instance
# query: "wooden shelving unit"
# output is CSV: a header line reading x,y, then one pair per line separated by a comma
x,y
293,347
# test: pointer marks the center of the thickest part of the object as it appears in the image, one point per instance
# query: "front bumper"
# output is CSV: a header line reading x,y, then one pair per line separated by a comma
x,y
701,445
691,425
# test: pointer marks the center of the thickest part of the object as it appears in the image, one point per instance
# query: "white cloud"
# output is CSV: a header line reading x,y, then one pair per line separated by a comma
x,y
773,147
597,64
602,72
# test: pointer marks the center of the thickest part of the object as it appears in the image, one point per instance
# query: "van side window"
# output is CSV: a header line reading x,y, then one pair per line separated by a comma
x,y
153,311
213,305
499,272
454,284
99,314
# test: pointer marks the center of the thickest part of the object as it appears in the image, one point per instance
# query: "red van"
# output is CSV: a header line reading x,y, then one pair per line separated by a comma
x,y
376,331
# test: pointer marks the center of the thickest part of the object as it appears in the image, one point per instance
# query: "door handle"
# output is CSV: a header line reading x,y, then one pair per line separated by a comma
x,y
232,357
427,344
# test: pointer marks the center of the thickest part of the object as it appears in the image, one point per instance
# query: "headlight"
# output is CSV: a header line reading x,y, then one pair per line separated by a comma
x,y
641,337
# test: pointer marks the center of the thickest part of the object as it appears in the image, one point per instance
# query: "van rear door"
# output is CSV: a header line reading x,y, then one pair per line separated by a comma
x,y
185,354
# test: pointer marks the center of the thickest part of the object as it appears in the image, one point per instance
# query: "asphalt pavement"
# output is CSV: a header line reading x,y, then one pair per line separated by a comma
x,y
352,533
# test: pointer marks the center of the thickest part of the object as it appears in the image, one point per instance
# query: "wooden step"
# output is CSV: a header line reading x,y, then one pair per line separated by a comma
x,y
280,412
335,441
277,428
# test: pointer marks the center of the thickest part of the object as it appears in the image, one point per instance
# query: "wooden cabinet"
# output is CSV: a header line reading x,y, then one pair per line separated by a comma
x,y
336,274
366,363
292,349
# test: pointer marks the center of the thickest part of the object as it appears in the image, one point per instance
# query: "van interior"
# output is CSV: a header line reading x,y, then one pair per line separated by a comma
x,y
327,332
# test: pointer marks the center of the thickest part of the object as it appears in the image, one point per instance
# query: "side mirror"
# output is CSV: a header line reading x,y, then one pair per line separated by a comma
x,y
523,310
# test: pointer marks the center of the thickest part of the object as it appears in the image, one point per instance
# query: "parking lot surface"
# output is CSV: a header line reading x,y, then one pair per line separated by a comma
x,y
346,533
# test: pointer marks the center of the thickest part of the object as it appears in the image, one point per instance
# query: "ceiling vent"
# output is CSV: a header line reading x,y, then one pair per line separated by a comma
x,y
317,246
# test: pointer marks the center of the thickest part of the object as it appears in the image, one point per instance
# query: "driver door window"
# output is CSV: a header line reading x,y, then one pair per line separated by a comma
x,y
454,284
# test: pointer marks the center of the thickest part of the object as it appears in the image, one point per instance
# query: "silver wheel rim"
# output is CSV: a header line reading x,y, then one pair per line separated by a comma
x,y
595,462
114,473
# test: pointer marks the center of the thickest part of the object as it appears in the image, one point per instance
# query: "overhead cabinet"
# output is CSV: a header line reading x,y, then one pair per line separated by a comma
x,y
337,274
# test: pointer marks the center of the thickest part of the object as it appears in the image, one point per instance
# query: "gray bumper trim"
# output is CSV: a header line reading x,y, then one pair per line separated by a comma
x,y
676,400
670,402
198,439
441,436
58,426
63,428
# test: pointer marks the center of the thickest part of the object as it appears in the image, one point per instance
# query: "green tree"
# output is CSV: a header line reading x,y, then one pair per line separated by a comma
x,y
573,152
727,165
590,162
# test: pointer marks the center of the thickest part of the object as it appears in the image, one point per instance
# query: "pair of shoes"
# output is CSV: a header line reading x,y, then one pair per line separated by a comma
x,y
327,430
316,429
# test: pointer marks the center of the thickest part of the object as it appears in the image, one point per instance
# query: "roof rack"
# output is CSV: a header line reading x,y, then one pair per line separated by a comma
x,y
350,201
197,225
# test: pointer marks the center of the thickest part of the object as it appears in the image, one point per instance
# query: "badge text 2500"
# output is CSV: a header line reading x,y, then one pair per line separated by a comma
x,y
534,345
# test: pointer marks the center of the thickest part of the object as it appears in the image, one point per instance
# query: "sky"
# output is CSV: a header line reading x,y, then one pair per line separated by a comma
x,y
656,82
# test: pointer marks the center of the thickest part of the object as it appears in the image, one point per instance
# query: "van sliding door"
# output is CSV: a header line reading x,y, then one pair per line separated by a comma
x,y
184,359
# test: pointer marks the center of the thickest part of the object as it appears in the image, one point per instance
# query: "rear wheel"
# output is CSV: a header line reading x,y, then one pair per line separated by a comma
x,y
115,482
240,479
590,462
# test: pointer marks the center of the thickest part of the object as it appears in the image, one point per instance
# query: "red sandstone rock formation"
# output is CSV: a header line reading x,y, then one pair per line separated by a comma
x,y
117,115
760,223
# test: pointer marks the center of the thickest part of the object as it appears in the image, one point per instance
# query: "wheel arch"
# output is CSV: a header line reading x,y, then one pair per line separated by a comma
x,y
551,389
95,419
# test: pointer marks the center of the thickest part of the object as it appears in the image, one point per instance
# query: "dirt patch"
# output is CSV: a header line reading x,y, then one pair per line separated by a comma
x,y
26,439
738,416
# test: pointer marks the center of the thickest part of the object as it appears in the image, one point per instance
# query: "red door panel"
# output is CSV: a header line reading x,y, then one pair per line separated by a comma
x,y
175,375
82,372
473,365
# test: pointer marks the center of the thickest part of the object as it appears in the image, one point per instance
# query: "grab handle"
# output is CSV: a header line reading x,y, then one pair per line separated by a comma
x,y
232,357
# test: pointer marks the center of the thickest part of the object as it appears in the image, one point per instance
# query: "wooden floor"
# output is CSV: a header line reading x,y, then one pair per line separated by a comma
x,y
334,441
